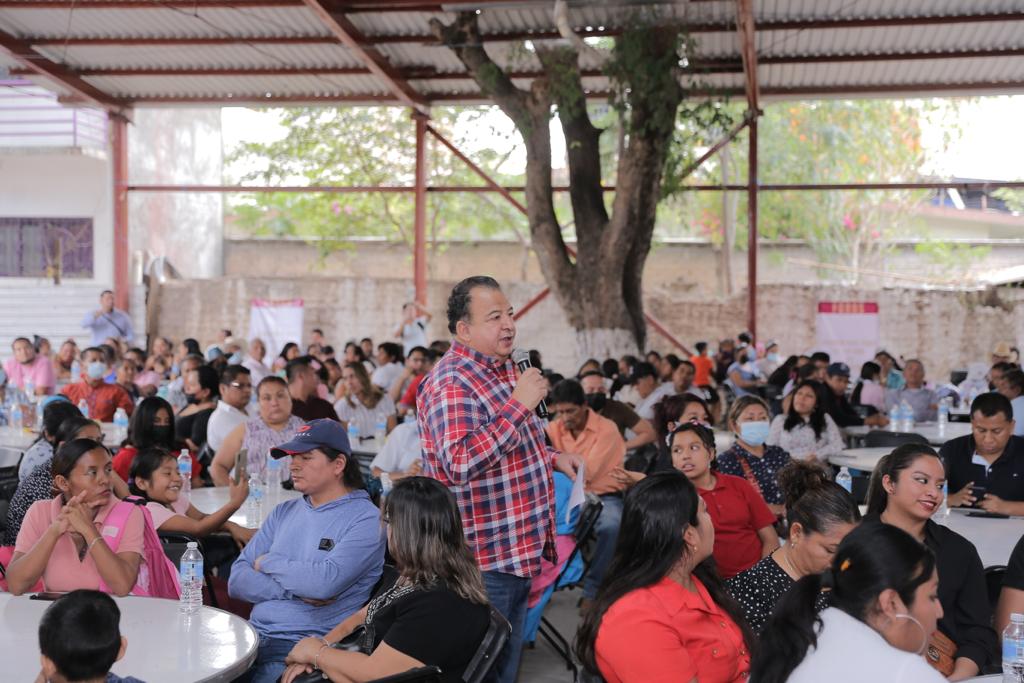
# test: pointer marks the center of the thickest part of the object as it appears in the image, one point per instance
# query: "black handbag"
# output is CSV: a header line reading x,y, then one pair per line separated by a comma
x,y
360,640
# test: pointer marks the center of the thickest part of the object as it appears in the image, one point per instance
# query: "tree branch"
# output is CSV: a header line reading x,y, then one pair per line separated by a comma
x,y
583,151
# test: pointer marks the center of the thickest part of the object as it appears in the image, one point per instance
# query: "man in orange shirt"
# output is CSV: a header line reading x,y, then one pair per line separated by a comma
x,y
576,428
101,399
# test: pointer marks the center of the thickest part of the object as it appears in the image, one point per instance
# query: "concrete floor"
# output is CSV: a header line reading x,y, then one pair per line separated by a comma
x,y
542,664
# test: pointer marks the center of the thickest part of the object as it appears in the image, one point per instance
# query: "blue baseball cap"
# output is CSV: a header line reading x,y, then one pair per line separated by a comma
x,y
315,434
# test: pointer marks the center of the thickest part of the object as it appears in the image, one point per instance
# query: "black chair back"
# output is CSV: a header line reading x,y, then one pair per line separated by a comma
x,y
879,438
994,583
175,544
491,646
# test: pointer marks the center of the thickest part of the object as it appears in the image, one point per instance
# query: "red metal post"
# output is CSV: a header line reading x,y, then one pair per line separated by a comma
x,y
752,230
119,159
420,244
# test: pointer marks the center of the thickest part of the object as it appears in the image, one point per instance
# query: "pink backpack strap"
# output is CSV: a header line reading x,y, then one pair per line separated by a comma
x,y
118,519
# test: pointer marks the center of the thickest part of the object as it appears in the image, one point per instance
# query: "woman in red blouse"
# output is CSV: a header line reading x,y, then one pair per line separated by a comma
x,y
743,523
661,614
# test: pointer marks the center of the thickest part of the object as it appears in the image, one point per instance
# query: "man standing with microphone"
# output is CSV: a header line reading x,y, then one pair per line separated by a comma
x,y
482,440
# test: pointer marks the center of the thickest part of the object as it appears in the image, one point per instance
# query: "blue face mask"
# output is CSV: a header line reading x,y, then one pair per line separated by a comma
x,y
754,433
96,369
773,357
236,359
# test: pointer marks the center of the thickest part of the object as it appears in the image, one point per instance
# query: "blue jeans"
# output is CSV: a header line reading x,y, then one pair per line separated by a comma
x,y
607,532
508,594
269,663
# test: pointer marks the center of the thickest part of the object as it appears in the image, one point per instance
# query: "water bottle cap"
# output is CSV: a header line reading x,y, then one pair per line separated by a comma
x,y
192,544
1017,618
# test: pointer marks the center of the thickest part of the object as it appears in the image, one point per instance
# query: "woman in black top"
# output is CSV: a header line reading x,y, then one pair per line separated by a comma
x,y
437,612
820,514
202,389
905,491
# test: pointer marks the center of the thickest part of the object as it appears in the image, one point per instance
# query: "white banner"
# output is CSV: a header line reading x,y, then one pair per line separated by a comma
x,y
848,332
276,323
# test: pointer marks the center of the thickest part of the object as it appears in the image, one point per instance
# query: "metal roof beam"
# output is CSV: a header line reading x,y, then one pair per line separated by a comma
x,y
347,33
38,64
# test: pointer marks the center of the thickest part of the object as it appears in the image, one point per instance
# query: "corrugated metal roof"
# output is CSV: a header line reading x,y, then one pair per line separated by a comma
x,y
799,60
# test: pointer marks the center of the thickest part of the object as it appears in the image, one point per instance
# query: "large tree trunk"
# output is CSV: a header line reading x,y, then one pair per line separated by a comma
x,y
600,289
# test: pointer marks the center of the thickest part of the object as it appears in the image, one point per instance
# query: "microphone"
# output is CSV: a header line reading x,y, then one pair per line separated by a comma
x,y
522,360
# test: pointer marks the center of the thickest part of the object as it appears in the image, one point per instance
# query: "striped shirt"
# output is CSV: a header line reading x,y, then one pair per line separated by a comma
x,y
489,449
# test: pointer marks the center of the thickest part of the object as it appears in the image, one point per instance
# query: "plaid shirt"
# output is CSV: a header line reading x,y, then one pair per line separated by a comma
x,y
490,451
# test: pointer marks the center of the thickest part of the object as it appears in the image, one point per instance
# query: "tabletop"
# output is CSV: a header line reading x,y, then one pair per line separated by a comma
x,y
994,538
21,439
164,646
859,458
929,430
212,498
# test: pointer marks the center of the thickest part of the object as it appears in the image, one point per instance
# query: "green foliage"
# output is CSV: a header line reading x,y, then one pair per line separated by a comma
x,y
363,146
835,141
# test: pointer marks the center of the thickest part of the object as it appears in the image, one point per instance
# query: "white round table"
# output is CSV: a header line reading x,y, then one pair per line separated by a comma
x,y
859,458
21,439
994,538
929,430
212,498
164,646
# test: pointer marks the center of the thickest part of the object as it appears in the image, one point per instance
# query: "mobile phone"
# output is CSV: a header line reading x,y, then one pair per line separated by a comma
x,y
45,595
989,515
241,462
979,494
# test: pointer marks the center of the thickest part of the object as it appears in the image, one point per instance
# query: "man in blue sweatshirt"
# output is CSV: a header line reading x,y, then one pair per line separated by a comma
x,y
316,558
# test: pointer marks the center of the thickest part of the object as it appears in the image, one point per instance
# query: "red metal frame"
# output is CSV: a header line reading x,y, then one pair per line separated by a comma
x,y
420,228
119,163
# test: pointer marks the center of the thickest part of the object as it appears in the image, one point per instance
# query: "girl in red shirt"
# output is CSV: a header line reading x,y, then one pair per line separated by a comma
x,y
661,615
743,523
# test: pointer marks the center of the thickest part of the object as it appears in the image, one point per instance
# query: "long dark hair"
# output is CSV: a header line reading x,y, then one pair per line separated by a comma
x,y
817,417
427,540
869,371
783,373
872,558
54,415
655,514
813,499
70,427
900,459
144,464
669,408
140,431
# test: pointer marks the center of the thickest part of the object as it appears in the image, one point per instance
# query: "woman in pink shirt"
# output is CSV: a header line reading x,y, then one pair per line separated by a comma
x,y
64,541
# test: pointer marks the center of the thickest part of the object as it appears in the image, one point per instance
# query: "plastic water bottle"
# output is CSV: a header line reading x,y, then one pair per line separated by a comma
x,y
895,418
30,391
275,475
1013,650
120,425
908,416
943,510
254,503
379,433
845,479
185,471
83,407
191,579
76,371
17,417
943,416
353,434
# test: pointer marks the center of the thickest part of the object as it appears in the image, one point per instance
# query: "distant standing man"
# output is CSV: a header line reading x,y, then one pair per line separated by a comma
x,y
482,440
413,330
108,321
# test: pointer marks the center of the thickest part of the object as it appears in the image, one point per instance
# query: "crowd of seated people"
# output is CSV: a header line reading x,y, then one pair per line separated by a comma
x,y
703,599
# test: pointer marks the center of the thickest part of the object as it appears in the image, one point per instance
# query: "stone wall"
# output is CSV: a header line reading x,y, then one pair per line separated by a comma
x,y
945,329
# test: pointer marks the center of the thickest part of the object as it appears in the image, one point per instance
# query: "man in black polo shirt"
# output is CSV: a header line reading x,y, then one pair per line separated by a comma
x,y
990,456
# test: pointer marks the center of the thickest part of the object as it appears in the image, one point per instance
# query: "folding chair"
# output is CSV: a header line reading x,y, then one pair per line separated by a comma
x,y
584,530
175,544
994,583
880,438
